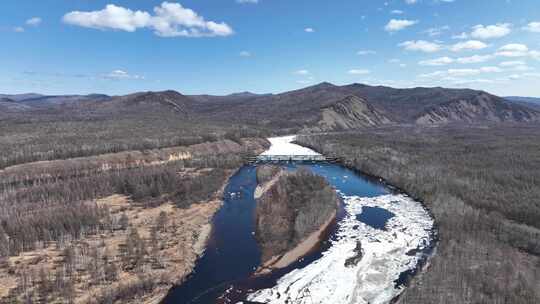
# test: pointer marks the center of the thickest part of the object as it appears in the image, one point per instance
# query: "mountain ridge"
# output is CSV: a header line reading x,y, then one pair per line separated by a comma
x,y
323,107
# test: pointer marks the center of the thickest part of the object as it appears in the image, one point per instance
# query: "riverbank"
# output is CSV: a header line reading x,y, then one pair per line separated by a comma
x,y
386,254
294,208
301,250
491,220
122,227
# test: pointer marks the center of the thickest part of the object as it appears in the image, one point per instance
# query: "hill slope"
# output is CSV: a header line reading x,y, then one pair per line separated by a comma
x,y
322,107
531,102
329,107
352,112
480,108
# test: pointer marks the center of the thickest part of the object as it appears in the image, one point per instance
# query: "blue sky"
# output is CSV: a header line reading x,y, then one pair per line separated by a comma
x,y
225,46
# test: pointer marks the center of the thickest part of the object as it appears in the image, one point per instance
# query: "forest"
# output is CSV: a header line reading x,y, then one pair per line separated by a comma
x,y
66,135
54,207
480,182
481,185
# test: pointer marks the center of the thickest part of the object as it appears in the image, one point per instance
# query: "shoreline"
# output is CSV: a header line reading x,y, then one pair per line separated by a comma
x,y
302,249
158,295
261,189
423,265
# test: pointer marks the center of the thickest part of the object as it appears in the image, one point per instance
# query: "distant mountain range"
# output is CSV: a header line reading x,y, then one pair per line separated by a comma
x,y
322,107
533,102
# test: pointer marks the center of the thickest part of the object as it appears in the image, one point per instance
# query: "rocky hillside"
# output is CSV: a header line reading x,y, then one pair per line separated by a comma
x,y
352,112
166,101
294,207
328,107
8,105
482,107
530,102
322,107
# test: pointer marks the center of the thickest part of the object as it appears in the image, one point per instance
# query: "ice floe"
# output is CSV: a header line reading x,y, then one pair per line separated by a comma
x,y
386,254
284,146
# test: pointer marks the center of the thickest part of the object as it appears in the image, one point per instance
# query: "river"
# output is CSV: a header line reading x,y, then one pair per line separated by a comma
x,y
394,230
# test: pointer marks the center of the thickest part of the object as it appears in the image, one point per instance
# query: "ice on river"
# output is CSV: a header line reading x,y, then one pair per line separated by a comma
x,y
328,280
284,146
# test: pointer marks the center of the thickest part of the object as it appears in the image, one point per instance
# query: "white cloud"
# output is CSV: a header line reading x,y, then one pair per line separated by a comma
x,y
309,30
169,20
18,29
245,54
121,75
533,75
111,17
366,52
461,36
461,60
411,1
302,72
474,59
395,25
247,1
469,82
522,68
35,21
533,27
437,61
436,31
421,45
436,74
451,74
513,50
359,72
396,12
463,72
511,63
491,31
534,54
468,45
490,69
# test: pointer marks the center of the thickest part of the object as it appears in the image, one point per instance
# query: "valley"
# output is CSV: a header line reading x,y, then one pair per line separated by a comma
x,y
87,182
270,152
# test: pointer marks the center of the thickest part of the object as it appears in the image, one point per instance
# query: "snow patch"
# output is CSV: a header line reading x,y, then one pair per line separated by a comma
x,y
372,280
284,146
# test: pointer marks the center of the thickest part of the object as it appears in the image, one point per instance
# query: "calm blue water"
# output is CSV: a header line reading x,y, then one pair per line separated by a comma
x,y
233,255
375,217
232,252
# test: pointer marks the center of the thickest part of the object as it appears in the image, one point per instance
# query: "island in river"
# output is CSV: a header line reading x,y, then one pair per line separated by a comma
x,y
293,209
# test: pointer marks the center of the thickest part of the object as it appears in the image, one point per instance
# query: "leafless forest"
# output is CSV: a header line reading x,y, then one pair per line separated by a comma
x,y
481,184
52,206
163,151
27,139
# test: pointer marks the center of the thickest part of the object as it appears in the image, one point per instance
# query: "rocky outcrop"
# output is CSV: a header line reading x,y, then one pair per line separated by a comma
x,y
357,257
291,210
482,107
351,113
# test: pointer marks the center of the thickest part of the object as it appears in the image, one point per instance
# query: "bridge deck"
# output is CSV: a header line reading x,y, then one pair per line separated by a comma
x,y
281,158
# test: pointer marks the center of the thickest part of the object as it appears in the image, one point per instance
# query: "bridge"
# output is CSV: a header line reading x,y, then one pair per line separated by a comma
x,y
290,158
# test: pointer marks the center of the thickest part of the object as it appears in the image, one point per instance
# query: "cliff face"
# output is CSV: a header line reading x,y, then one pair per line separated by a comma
x,y
479,108
351,113
290,210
